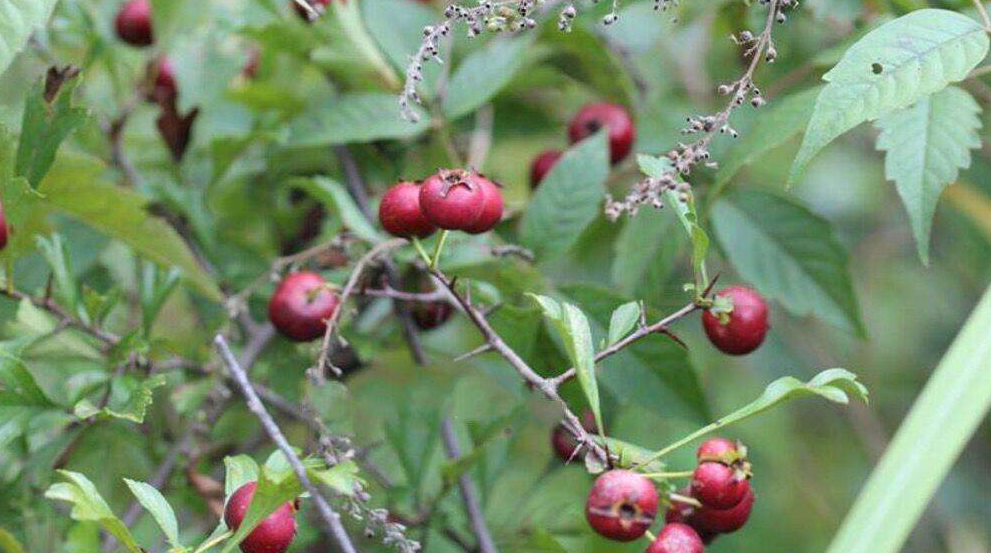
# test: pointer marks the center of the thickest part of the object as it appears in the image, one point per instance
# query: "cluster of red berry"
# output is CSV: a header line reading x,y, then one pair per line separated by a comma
x,y
451,199
589,119
623,504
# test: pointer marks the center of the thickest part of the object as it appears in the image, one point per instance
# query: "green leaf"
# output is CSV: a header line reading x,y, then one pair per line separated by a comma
x,y
686,213
789,254
352,25
240,470
75,187
89,505
275,487
205,65
9,543
483,74
18,386
926,145
43,129
156,504
586,57
646,251
66,290
129,399
568,199
342,478
397,27
946,414
572,326
336,198
778,123
891,68
347,118
623,319
18,19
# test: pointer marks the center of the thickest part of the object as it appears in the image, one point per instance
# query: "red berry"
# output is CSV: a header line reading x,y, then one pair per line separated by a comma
x,y
615,118
677,538
400,214
432,314
491,210
724,521
319,5
747,324
564,443
301,305
250,69
272,535
165,89
452,200
621,505
4,228
722,450
719,486
542,165
133,23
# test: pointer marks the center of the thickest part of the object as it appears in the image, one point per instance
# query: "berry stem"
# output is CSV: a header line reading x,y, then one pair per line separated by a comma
x,y
650,536
668,475
421,250
439,249
684,499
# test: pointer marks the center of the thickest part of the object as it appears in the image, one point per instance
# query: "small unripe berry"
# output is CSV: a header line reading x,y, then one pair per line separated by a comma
x,y
564,443
722,450
614,118
301,305
621,505
319,5
677,538
430,315
747,324
272,535
452,200
133,23
491,209
724,521
719,486
542,164
400,214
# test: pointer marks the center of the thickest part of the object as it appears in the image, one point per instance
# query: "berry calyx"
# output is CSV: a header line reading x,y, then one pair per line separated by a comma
x,y
677,538
319,5
542,164
722,450
400,213
719,486
452,199
301,305
564,442
273,534
741,330
491,209
621,505
614,118
133,23
724,521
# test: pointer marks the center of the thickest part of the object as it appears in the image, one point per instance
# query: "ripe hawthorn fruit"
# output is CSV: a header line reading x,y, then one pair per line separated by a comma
x,y
542,164
133,23
723,521
722,450
301,305
453,199
615,118
491,209
621,505
677,538
563,443
319,5
400,213
719,486
747,324
273,534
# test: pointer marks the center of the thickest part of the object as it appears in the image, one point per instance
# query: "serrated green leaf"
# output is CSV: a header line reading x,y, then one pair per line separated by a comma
x,y
623,319
240,469
483,74
568,199
343,478
43,129
129,399
890,68
89,505
9,543
789,254
336,198
18,19
926,145
156,504
348,118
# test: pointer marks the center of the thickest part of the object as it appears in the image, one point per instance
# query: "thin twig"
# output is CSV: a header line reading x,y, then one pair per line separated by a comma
x,y
332,520
469,495
984,15
65,318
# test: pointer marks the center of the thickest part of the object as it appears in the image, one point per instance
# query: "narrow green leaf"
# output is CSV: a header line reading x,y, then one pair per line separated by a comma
x,y
66,290
483,74
623,319
336,198
9,543
789,254
156,504
18,19
89,505
926,145
568,199
946,414
43,129
359,117
890,68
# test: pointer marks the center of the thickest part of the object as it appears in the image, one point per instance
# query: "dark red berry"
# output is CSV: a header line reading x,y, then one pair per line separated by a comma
x,y
613,117
542,165
564,442
319,5
273,534
165,89
676,538
719,486
722,450
452,200
724,521
746,326
621,505
301,305
133,23
4,228
400,214
250,69
432,314
491,210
